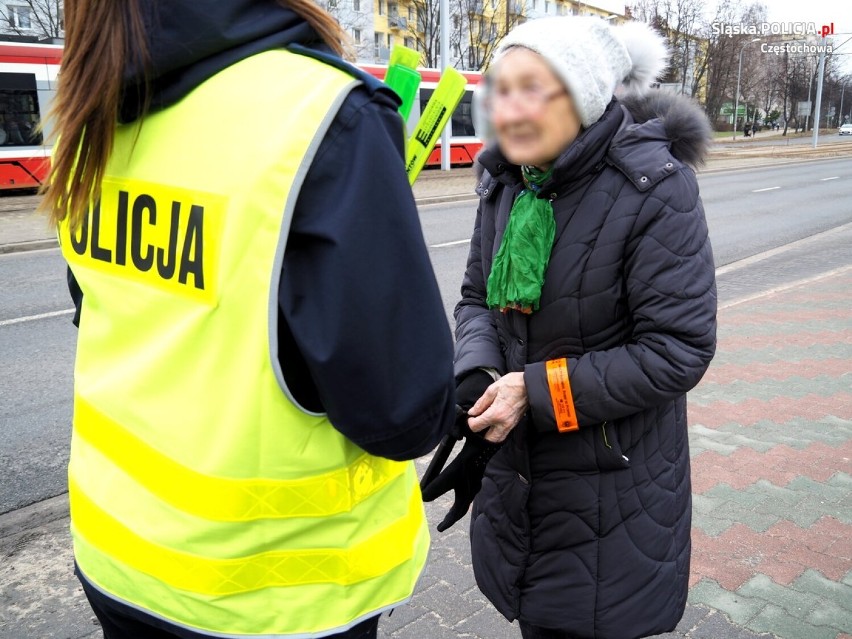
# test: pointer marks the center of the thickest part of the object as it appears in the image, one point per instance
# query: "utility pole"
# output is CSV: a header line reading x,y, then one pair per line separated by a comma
x,y
737,96
444,19
819,91
808,114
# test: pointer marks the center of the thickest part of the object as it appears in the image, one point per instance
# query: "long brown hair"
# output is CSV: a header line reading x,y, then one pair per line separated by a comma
x,y
101,36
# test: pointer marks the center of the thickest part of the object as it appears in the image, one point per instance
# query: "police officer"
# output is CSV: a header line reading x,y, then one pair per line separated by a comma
x,y
262,345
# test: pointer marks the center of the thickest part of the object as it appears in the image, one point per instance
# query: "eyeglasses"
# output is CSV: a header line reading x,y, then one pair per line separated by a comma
x,y
531,98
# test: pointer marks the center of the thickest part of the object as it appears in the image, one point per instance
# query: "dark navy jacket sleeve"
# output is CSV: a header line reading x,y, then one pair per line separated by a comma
x,y
477,344
363,334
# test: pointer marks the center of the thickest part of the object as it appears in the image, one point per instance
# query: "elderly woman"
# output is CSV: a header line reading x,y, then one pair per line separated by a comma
x,y
590,298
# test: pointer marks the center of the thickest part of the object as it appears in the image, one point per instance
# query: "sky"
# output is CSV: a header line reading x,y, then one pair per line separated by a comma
x,y
819,12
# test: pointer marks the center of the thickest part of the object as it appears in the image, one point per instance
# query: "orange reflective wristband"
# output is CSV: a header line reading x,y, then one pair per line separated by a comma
x,y
560,395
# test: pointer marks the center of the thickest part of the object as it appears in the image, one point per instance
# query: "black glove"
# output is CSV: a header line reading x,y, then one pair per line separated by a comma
x,y
464,474
471,388
468,391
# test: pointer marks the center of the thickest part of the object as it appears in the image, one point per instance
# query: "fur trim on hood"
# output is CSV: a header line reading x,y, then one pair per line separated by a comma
x,y
683,120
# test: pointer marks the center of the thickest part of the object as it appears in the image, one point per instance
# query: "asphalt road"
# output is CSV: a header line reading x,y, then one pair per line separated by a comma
x,y
753,210
750,212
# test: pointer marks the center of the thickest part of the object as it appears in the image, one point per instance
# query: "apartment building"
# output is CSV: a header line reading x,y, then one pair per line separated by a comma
x,y
476,29
32,19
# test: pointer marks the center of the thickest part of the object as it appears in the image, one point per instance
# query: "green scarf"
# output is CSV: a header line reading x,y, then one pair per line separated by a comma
x,y
517,274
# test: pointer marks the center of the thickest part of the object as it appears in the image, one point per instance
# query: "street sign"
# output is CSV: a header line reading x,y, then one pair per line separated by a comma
x,y
728,109
804,108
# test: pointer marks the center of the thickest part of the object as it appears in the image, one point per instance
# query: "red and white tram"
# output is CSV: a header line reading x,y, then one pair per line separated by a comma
x,y
464,145
28,75
27,85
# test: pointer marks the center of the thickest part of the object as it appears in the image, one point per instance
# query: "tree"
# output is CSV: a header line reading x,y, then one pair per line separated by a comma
x,y
769,85
723,54
843,98
355,22
426,31
702,56
480,31
40,18
680,21
476,30
802,71
831,91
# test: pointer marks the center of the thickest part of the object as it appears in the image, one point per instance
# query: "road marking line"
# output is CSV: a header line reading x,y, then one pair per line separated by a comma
x,y
771,188
836,177
32,318
748,261
445,244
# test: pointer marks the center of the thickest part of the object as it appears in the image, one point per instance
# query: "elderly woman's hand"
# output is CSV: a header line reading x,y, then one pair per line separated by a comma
x,y
500,408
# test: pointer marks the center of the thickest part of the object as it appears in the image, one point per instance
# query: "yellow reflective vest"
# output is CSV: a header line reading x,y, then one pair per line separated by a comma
x,y
201,492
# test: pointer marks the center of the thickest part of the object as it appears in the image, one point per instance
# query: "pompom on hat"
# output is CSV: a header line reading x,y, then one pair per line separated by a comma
x,y
592,58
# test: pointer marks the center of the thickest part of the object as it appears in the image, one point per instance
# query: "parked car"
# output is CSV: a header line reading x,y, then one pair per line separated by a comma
x,y
846,129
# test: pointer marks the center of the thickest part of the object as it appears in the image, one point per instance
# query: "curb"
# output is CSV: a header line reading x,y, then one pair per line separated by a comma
x,y
745,166
17,525
444,199
31,245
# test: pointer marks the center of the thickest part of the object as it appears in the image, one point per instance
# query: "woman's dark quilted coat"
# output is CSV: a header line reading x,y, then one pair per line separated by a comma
x,y
589,531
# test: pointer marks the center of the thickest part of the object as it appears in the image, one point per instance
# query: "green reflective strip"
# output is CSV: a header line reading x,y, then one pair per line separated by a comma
x,y
224,499
388,548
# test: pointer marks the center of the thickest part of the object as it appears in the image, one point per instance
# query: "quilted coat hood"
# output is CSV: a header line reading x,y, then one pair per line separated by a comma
x,y
676,121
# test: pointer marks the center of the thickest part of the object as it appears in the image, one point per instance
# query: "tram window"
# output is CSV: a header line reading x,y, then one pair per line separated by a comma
x,y
462,117
425,95
19,112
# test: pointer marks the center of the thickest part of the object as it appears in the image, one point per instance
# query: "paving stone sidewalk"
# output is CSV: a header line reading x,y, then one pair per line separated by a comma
x,y
771,445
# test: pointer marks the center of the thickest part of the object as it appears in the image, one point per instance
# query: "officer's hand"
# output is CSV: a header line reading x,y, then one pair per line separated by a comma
x,y
463,475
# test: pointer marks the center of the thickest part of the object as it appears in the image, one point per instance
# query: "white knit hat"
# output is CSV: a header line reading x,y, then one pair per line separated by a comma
x,y
592,58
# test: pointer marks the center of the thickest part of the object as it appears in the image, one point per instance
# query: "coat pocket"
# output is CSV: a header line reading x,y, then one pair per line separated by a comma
x,y
592,449
608,452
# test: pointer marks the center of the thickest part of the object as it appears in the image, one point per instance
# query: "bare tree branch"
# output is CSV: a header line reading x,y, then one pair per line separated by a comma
x,y
37,18
476,30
